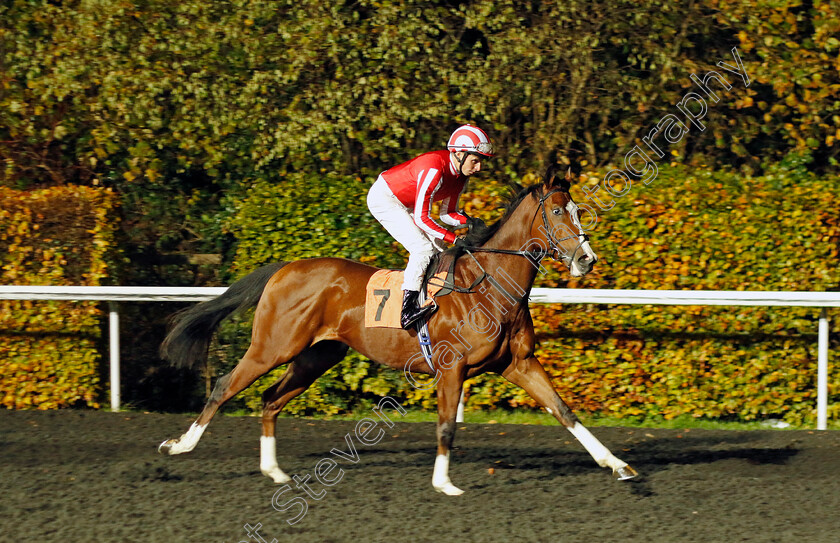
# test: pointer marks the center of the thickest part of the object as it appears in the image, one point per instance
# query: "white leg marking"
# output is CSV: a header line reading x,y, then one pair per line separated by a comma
x,y
186,442
601,454
268,461
440,479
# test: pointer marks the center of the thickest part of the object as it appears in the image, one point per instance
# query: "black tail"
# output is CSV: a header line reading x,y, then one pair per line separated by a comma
x,y
187,343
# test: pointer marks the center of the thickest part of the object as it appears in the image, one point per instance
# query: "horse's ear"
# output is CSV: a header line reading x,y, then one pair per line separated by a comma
x,y
550,177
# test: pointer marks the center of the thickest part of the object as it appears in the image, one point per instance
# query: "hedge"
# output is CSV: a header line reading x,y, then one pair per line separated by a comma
x,y
51,349
780,231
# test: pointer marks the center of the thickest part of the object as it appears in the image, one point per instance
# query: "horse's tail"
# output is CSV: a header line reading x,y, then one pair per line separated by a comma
x,y
192,328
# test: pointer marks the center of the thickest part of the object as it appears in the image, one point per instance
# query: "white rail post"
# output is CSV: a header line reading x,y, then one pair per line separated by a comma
x,y
459,416
822,372
114,350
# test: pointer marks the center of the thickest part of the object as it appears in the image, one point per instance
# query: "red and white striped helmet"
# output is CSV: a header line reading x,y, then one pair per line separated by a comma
x,y
471,139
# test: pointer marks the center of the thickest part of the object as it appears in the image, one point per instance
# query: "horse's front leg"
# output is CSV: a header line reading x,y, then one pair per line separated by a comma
x,y
529,374
448,393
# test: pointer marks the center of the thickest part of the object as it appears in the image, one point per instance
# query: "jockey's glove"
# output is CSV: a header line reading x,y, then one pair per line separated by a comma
x,y
474,223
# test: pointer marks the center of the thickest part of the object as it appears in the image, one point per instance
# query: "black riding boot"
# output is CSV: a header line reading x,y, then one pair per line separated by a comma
x,y
411,312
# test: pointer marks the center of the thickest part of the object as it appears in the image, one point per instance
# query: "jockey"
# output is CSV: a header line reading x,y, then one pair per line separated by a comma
x,y
401,200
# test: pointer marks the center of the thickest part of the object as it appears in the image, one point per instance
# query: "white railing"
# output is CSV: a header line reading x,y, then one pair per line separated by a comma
x,y
715,297
538,295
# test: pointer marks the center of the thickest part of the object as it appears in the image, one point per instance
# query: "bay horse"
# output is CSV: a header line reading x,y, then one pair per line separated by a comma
x,y
309,312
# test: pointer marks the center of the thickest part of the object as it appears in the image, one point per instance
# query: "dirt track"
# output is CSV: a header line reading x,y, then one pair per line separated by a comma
x,y
96,477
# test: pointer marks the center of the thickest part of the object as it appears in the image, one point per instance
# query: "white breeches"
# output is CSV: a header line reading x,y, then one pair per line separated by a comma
x,y
399,222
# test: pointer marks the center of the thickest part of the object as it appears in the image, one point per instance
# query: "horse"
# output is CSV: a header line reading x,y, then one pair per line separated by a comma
x,y
309,312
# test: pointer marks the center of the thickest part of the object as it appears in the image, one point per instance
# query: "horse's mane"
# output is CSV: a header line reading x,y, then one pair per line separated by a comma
x,y
479,236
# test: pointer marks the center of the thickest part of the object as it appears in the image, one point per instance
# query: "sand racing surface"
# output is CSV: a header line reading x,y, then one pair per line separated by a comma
x,y
88,476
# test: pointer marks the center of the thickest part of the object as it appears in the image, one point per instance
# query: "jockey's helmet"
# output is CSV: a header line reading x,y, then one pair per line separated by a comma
x,y
471,139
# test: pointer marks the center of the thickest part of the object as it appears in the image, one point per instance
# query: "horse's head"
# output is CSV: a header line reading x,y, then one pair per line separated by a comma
x,y
557,225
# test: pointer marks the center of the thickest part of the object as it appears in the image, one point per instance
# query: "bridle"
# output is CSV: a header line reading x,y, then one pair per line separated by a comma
x,y
554,243
536,256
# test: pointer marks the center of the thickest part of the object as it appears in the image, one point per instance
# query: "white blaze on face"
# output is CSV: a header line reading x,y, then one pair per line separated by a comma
x,y
572,210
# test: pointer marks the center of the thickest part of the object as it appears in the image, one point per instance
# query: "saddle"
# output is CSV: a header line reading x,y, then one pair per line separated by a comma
x,y
382,310
440,273
383,300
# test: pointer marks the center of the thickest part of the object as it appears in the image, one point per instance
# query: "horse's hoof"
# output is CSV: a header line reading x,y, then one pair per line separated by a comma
x,y
624,473
277,475
166,446
449,489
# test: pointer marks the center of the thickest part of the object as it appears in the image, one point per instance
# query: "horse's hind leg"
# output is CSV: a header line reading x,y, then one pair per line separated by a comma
x,y
301,373
252,366
531,376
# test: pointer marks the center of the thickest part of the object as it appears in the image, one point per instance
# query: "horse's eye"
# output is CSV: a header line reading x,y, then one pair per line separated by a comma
x,y
557,211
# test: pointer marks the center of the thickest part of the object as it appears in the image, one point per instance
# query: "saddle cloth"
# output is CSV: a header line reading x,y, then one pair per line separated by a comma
x,y
383,300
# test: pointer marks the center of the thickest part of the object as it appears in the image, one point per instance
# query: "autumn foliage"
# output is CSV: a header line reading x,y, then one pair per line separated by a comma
x,y
51,349
252,129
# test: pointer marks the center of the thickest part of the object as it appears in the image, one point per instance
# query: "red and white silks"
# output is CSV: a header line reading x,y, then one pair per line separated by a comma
x,y
401,223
